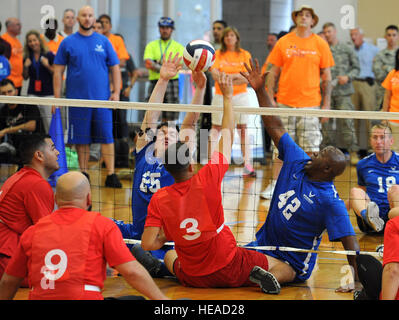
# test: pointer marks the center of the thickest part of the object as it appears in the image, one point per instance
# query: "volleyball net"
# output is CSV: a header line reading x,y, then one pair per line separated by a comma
x,y
245,210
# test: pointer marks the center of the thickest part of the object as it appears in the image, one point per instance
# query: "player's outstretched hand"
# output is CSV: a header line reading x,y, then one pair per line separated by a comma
x,y
254,76
199,79
170,66
226,85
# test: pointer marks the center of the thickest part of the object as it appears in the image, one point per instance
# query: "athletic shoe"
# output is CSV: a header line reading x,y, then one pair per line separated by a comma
x,y
268,192
112,181
373,217
360,295
152,264
248,171
266,280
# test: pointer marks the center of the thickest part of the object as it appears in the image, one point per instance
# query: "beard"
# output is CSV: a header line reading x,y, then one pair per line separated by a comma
x,y
85,28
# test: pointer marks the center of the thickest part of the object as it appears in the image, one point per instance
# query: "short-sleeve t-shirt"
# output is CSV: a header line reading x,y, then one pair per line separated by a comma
x,y
16,60
17,116
23,206
391,83
149,176
157,50
106,246
300,211
119,46
88,59
377,178
391,241
5,67
300,60
206,257
231,62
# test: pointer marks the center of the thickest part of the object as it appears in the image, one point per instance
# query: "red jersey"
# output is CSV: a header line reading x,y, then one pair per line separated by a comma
x,y
391,244
105,244
191,214
24,198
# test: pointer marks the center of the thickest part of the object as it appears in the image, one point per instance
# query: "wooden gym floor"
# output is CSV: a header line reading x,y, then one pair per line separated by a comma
x,y
245,212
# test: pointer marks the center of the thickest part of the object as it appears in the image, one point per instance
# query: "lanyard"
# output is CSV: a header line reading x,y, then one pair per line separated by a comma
x,y
36,65
166,49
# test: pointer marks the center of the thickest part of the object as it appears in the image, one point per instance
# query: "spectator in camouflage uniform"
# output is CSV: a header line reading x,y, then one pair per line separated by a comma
x,y
384,61
345,70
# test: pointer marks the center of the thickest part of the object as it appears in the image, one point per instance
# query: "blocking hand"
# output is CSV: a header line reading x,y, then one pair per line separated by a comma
x,y
254,76
170,67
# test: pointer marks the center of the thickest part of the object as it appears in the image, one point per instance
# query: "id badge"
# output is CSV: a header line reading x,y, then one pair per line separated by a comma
x,y
38,85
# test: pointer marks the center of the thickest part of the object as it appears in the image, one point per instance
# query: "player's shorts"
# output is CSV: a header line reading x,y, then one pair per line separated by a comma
x,y
233,275
90,125
239,100
305,131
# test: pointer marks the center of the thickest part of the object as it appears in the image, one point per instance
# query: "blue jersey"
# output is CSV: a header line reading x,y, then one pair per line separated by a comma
x,y
149,176
378,177
300,211
4,67
88,59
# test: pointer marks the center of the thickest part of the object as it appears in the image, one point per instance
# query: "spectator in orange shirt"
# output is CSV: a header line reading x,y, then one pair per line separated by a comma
x,y
391,99
230,59
50,37
300,59
116,41
13,26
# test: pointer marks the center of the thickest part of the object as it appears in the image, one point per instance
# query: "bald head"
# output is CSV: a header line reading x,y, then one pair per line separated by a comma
x,y
86,19
336,160
85,10
73,189
13,26
326,164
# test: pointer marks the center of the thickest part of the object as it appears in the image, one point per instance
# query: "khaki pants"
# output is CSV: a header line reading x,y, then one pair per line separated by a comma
x,y
395,134
364,99
338,132
305,131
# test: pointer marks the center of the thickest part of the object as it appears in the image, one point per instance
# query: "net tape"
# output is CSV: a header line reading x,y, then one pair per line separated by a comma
x,y
347,114
291,249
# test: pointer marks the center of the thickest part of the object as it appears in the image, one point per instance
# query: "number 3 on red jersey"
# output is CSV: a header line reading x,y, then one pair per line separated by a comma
x,y
193,228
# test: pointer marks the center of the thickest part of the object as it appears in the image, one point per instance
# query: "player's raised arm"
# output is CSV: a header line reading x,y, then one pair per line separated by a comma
x,y
169,69
227,132
187,132
273,124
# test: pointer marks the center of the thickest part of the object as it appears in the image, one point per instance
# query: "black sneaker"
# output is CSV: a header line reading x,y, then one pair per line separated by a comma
x,y
360,295
267,281
152,264
112,181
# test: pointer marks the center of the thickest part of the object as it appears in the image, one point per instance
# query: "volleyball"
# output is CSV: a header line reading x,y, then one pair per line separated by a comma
x,y
199,55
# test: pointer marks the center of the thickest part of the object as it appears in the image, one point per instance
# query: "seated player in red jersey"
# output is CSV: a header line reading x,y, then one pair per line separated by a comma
x,y
65,254
26,196
190,213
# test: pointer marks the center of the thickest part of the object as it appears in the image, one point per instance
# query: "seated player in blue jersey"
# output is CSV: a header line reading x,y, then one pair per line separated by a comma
x,y
153,138
376,198
305,202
